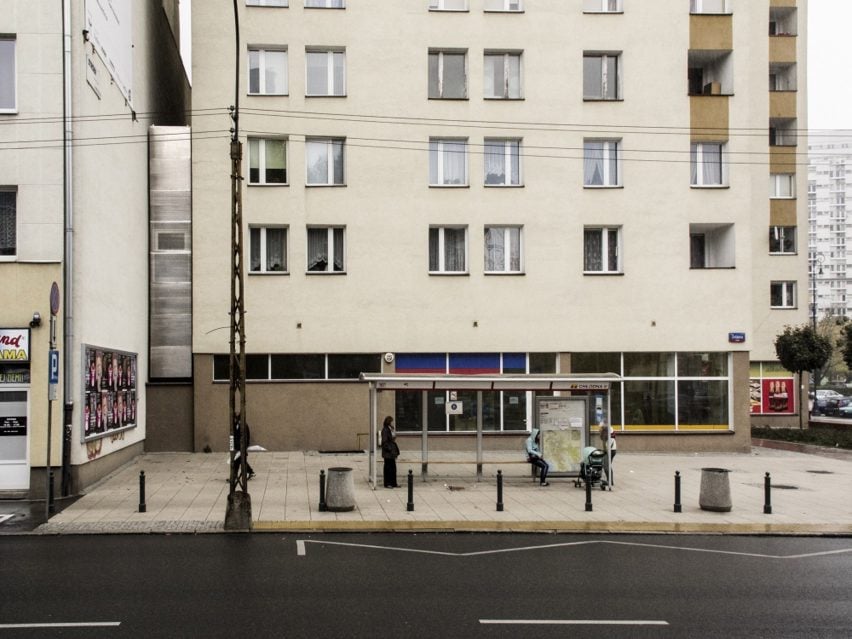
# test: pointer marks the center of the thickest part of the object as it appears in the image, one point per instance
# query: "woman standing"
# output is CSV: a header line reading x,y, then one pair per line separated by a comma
x,y
390,451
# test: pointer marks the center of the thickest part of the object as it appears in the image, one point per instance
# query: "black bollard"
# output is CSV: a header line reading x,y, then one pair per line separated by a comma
x,y
322,507
767,490
499,491
677,506
588,495
142,505
410,505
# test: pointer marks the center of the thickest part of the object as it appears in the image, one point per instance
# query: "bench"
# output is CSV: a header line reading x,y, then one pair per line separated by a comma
x,y
424,470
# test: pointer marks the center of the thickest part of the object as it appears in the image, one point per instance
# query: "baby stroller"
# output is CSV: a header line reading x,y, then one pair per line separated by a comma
x,y
591,468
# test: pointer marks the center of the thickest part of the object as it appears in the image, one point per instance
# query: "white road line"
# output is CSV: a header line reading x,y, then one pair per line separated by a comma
x,y
300,544
81,624
576,622
5,517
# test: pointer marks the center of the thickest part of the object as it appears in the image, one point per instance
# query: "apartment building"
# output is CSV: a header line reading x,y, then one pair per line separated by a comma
x,y
80,85
501,187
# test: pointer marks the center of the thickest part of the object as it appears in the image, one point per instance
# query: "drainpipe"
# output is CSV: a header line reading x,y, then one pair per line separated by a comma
x,y
68,256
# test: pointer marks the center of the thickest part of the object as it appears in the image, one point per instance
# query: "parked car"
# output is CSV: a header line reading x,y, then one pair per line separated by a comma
x,y
824,397
834,406
845,410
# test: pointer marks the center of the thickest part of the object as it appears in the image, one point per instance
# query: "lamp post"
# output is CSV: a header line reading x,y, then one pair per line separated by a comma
x,y
816,262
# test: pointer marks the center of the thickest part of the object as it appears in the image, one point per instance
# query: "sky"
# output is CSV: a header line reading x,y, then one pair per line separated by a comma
x,y
829,57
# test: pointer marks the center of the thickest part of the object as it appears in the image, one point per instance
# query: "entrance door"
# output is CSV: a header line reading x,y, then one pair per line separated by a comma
x,y
14,440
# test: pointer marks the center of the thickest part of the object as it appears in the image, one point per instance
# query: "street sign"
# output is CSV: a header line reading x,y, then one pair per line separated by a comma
x,y
54,299
53,375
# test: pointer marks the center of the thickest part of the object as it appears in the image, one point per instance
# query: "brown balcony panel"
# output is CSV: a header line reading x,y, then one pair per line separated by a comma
x,y
782,159
782,104
782,213
713,32
708,118
782,48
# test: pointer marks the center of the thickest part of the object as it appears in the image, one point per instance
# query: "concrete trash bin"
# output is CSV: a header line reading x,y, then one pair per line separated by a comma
x,y
715,490
340,490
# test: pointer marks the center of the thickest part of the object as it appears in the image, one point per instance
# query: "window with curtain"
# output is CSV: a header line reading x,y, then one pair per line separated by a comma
x,y
600,76
601,160
602,6
447,249
325,4
267,71
447,74
707,164
325,249
448,5
601,249
502,76
267,161
502,162
266,3
782,240
8,82
782,295
504,5
325,72
708,6
8,222
447,162
324,160
267,249
782,186
502,249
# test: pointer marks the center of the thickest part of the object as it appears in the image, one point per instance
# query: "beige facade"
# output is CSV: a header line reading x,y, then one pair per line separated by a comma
x,y
688,266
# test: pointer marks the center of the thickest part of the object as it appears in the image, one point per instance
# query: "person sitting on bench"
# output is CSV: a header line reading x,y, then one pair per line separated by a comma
x,y
533,448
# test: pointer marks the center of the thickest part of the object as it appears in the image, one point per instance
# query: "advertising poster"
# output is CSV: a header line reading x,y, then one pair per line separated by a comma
x,y
778,396
109,403
562,421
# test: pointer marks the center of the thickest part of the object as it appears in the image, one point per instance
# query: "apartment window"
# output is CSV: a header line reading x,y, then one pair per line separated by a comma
x,y
710,72
8,88
267,72
711,246
448,5
708,6
601,76
782,132
707,164
502,76
601,163
448,75
503,249
324,161
782,186
502,162
782,240
782,77
325,72
602,6
602,249
8,222
504,5
325,4
267,3
447,249
782,295
268,249
267,161
447,162
325,249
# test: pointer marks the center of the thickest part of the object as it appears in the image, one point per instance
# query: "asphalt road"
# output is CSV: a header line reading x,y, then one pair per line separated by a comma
x,y
383,585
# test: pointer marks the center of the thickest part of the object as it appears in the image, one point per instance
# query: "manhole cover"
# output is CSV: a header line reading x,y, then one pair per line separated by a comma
x,y
785,487
455,487
821,472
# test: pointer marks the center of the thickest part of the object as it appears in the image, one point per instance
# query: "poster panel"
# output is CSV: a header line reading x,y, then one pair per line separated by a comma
x,y
109,28
109,401
562,421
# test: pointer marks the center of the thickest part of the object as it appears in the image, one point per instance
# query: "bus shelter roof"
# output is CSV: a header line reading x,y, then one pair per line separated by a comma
x,y
449,381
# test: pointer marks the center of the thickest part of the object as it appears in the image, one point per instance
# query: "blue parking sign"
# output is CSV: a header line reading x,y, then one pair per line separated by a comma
x,y
53,366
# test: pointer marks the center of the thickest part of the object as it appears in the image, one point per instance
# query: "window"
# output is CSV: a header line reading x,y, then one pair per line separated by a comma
x,y
711,246
447,162
710,72
502,162
267,161
708,6
782,76
707,164
8,222
266,3
502,76
325,249
267,72
325,72
8,88
325,4
601,163
782,132
782,240
782,295
504,5
601,76
447,75
602,6
503,249
602,249
448,5
782,186
447,249
782,21
324,160
268,247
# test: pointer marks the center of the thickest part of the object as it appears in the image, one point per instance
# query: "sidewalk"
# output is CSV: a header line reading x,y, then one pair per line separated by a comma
x,y
187,493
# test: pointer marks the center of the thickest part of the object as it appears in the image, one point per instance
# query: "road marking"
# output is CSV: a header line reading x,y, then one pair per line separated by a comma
x,y
5,518
81,624
301,549
576,622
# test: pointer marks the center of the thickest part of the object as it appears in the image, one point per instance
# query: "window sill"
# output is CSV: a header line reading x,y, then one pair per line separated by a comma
x,y
585,99
503,186
449,10
710,187
603,273
784,308
440,99
710,95
264,273
779,254
504,273
327,8
782,198
594,187
450,273
449,186
502,11
711,13
325,273
266,184
325,95
492,98
712,268
603,13
325,186
268,95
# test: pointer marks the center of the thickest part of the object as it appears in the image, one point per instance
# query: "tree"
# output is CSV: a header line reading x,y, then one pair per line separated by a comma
x,y
847,344
835,329
802,349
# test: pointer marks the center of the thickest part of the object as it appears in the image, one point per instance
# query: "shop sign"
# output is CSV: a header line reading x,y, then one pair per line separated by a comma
x,y
14,374
13,426
14,345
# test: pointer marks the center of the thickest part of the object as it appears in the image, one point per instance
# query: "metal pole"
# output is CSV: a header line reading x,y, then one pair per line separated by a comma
x,y
143,507
373,418
322,505
588,494
767,490
48,493
677,506
479,435
410,505
499,491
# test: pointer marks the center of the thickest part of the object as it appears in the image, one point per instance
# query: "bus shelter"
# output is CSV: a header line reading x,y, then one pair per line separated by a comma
x,y
558,419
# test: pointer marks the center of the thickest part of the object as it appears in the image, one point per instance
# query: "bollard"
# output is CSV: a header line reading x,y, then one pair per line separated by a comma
x,y
499,491
322,506
767,490
677,506
588,495
410,505
142,506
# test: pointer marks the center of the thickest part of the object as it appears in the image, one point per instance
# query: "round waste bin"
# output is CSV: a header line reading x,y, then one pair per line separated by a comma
x,y
340,490
715,490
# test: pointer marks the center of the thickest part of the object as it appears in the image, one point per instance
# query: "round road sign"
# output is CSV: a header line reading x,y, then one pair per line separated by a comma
x,y
54,299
